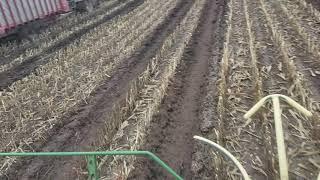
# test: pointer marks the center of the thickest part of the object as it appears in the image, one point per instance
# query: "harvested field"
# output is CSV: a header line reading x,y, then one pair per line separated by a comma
x,y
149,75
18,63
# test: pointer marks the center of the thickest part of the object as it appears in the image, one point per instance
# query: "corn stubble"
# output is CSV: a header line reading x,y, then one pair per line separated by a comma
x,y
149,88
302,129
221,107
309,8
240,86
299,127
38,102
52,36
34,105
310,38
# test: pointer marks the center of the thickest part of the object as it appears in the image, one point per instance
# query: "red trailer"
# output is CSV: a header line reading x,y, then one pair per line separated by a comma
x,y
15,13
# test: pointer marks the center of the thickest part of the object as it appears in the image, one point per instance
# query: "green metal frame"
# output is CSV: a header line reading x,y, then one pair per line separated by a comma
x,y
92,159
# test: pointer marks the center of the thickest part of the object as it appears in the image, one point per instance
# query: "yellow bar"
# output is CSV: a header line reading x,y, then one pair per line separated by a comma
x,y
255,108
283,165
297,106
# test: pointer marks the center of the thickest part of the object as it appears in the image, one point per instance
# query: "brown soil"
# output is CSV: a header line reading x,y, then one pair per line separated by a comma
x,y
304,60
315,3
172,129
31,64
79,131
208,114
268,55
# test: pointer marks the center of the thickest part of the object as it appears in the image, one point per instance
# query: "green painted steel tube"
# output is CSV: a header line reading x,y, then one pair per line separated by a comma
x,y
100,153
92,167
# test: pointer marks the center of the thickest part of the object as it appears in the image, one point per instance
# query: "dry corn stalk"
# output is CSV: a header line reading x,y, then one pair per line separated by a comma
x,y
310,8
309,40
224,68
290,66
54,31
297,88
48,43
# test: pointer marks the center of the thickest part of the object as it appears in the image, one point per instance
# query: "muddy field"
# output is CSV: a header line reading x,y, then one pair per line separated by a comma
x,y
151,74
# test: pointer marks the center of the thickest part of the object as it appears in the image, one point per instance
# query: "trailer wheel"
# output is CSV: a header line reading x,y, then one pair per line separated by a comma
x,y
89,5
85,5
25,32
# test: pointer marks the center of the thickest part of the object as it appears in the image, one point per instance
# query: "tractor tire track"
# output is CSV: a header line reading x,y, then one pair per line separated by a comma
x,y
172,128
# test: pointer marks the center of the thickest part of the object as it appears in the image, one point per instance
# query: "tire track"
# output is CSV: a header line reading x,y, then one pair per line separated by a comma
x,y
177,121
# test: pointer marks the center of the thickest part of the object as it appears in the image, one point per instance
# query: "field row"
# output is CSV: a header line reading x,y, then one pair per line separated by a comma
x,y
149,75
38,102
264,54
